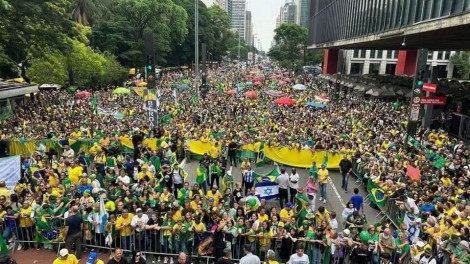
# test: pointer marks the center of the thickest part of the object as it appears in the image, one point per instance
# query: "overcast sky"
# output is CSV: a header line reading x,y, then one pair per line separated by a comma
x,y
264,14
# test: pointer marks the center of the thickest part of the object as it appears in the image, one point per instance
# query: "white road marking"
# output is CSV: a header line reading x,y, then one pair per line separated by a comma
x,y
336,192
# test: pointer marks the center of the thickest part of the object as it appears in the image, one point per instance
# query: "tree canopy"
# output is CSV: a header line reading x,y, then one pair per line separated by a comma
x,y
98,40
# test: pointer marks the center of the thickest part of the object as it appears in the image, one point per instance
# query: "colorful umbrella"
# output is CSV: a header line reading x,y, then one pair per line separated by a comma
x,y
274,93
299,87
284,101
322,98
316,105
251,94
232,92
258,79
121,90
83,94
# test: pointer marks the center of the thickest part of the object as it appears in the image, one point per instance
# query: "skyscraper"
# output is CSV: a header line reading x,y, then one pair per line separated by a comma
x,y
288,13
237,14
248,29
302,12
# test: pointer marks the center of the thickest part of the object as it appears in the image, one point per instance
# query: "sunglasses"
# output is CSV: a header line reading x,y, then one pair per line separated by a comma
x,y
138,255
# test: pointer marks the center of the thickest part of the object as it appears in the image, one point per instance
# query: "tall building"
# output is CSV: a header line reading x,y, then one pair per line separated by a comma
x,y
385,62
210,3
237,14
288,13
302,12
249,29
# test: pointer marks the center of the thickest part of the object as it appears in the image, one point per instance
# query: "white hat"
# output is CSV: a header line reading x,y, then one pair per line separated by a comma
x,y
420,244
63,252
346,232
465,167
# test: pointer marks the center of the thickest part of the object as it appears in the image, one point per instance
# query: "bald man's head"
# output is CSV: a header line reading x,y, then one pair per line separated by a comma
x,y
182,258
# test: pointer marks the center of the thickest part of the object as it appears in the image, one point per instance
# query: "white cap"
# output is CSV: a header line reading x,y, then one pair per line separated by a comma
x,y
63,252
420,244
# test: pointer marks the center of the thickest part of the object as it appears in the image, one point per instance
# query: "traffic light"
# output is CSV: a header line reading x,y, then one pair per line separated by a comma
x,y
337,88
420,76
150,65
151,82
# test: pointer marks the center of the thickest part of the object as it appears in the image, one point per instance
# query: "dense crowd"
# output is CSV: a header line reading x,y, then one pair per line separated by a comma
x,y
153,208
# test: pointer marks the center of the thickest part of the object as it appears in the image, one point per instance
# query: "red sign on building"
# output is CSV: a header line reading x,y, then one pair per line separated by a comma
x,y
430,87
442,100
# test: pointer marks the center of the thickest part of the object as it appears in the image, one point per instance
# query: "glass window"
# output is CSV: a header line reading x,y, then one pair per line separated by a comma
x,y
363,54
447,55
356,54
388,54
440,55
395,54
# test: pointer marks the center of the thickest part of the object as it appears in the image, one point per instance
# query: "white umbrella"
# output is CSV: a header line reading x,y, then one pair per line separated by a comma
x,y
299,87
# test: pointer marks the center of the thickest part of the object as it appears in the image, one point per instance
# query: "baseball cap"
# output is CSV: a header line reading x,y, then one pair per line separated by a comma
x,y
465,243
138,210
420,244
92,257
290,205
280,224
63,252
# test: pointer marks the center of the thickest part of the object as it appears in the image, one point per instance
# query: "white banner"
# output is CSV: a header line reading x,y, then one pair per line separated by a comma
x,y
11,171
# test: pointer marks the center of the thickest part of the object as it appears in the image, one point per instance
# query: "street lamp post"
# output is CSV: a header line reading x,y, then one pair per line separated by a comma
x,y
196,44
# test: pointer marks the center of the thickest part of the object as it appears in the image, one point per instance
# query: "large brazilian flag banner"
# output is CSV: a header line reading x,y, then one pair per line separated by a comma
x,y
266,185
376,194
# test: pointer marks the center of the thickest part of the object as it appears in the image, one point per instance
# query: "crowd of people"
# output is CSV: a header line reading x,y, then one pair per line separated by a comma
x,y
153,208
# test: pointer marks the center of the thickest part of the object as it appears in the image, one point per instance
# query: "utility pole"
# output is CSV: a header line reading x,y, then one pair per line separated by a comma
x,y
196,44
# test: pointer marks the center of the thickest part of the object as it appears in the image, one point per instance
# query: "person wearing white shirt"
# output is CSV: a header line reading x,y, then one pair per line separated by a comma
x,y
138,222
283,182
298,257
126,180
95,219
151,168
293,184
249,258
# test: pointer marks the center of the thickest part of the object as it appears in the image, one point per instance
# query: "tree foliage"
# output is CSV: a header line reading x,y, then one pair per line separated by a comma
x,y
93,38
462,61
290,40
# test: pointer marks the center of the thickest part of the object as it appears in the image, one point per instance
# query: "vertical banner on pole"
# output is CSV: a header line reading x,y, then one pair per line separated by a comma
x,y
204,57
417,92
150,99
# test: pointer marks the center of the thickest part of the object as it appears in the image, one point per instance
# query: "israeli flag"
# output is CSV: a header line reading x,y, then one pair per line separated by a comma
x,y
267,189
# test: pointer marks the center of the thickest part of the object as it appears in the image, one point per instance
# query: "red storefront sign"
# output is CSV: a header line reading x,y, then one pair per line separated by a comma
x,y
433,100
430,87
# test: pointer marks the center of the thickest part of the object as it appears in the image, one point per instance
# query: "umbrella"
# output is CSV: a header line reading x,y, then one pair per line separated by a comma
x,y
249,76
258,84
299,87
182,87
317,105
232,92
258,79
322,98
284,101
251,94
274,93
121,90
83,94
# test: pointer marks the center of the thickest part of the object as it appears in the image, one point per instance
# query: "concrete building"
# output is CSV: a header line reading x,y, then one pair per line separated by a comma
x,y
385,62
210,3
302,12
288,13
249,29
237,14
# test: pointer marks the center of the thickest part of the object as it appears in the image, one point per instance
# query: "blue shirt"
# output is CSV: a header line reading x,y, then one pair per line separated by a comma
x,y
427,207
357,201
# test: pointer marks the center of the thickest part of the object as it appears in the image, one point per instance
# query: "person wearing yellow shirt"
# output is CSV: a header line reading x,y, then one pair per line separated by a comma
x,y
75,172
100,162
286,213
144,173
165,196
262,216
214,152
93,259
26,225
323,179
215,194
104,142
95,149
123,224
66,258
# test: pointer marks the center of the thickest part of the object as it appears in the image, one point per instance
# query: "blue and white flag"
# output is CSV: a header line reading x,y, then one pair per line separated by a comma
x,y
267,190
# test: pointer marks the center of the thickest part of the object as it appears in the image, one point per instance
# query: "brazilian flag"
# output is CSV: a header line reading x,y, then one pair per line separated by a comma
x,y
377,196
301,206
3,246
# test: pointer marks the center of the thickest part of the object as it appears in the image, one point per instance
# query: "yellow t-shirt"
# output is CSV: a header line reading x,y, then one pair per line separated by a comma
x,y
74,174
217,196
262,218
25,219
71,259
286,214
323,175
121,221
199,227
141,175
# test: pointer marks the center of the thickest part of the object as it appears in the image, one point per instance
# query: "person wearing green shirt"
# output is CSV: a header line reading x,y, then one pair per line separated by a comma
x,y
314,171
183,193
403,248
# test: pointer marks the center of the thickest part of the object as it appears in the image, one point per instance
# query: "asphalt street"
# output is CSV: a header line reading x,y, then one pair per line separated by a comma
x,y
336,197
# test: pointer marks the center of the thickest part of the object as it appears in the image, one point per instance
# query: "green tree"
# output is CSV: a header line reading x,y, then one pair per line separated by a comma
x,y
462,61
290,40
